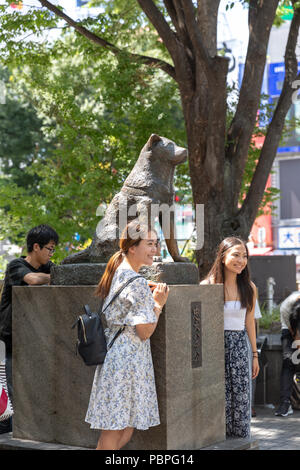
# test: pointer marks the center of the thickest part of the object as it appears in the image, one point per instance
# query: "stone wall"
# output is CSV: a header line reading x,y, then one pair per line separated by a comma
x,y
52,385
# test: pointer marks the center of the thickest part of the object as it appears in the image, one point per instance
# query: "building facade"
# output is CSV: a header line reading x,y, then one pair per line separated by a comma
x,y
286,168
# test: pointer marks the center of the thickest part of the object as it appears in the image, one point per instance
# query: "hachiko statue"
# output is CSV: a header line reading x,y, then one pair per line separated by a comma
x,y
147,192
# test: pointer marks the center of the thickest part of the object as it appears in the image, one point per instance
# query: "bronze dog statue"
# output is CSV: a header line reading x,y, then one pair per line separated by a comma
x,y
149,185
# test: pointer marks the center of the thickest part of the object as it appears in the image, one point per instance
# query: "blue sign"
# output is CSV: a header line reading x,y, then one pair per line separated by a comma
x,y
272,85
80,3
276,78
275,84
289,237
294,148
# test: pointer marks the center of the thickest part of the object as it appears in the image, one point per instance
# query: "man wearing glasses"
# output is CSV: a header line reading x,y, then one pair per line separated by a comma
x,y
33,269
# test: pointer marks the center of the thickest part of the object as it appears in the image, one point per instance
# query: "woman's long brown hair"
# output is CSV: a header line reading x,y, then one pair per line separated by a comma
x,y
133,233
216,273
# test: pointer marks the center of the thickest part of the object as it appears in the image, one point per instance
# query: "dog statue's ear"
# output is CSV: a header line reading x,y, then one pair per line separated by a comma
x,y
152,139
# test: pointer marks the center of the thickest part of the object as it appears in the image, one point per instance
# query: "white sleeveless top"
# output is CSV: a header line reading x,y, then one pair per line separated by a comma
x,y
234,315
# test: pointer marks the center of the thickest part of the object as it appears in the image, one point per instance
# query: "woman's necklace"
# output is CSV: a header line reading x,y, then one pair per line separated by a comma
x,y
228,296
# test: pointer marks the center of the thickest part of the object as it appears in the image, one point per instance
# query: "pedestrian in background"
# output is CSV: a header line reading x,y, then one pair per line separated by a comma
x,y
290,331
33,269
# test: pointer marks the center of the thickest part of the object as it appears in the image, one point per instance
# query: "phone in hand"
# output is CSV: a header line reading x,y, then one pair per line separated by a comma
x,y
152,285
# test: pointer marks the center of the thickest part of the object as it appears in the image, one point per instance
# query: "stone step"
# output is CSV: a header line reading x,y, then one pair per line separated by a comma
x,y
7,442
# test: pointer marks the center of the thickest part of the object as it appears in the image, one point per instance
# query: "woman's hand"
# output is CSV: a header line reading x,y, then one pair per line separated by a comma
x,y
255,368
160,294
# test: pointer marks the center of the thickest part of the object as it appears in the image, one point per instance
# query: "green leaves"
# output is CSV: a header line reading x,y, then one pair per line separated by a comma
x,y
90,114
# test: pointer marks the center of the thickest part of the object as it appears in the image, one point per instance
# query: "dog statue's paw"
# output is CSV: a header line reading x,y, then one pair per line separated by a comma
x,y
181,259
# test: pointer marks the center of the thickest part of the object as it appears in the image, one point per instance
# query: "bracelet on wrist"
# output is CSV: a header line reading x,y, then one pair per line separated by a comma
x,y
158,309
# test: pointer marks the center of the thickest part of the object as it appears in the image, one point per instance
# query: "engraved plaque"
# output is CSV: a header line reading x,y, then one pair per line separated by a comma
x,y
196,334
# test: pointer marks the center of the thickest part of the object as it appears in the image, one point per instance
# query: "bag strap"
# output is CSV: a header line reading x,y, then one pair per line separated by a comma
x,y
114,297
118,292
115,337
88,310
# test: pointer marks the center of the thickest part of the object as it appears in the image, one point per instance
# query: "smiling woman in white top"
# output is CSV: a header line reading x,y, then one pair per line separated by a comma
x,y
230,268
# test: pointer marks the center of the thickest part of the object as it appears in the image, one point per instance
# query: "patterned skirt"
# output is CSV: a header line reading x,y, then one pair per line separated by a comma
x,y
237,384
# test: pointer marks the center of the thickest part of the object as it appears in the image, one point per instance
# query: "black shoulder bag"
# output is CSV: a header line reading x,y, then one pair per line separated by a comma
x,y
91,343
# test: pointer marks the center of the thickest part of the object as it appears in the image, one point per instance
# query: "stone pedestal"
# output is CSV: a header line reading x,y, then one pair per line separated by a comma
x,y
52,385
86,274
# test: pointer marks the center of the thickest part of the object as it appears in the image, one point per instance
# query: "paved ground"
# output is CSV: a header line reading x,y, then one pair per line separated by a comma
x,y
274,432
268,431
271,432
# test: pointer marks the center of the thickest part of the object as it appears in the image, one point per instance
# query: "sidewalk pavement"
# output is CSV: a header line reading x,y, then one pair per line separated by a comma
x,y
268,432
275,432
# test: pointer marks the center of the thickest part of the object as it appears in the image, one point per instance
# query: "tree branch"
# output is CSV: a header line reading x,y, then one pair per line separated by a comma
x,y
207,17
169,4
290,58
261,17
178,44
151,61
196,37
268,152
160,24
177,17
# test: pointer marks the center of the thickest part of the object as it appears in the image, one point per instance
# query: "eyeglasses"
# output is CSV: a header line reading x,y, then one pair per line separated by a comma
x,y
51,250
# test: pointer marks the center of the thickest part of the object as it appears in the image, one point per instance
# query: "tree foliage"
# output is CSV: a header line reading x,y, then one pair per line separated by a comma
x,y
94,115
129,45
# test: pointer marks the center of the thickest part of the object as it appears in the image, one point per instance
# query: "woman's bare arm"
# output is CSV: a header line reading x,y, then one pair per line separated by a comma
x,y
160,295
146,330
250,327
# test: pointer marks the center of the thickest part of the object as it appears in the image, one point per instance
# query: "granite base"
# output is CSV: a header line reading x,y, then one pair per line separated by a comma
x,y
52,384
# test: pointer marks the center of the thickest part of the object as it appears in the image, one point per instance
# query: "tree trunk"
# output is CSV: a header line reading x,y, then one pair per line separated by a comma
x,y
205,115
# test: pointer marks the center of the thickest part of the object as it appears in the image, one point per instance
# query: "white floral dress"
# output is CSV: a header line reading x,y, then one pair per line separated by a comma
x,y
123,392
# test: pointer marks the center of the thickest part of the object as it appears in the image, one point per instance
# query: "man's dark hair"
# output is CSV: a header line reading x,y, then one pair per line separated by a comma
x,y
295,317
42,234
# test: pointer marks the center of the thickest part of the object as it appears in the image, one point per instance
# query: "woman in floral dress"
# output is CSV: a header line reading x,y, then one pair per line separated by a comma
x,y
230,269
123,395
